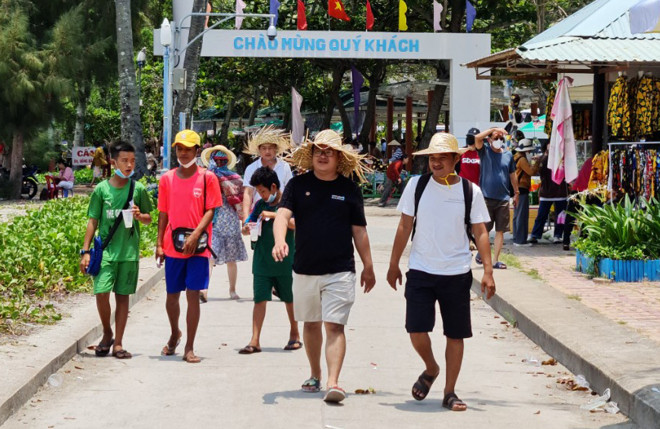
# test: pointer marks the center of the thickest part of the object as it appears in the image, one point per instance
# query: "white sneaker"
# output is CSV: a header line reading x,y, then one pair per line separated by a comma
x,y
557,240
522,245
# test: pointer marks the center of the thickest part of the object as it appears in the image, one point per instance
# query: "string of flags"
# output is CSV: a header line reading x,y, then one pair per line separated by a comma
x,y
336,10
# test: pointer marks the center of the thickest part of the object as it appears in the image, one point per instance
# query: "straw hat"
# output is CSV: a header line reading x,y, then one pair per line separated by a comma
x,y
394,143
206,155
349,159
442,143
525,145
268,135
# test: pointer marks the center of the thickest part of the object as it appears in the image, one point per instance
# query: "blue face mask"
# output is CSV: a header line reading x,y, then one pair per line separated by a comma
x,y
122,175
271,198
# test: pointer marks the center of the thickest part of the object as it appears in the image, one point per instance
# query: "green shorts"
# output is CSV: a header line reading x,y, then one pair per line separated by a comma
x,y
118,277
263,286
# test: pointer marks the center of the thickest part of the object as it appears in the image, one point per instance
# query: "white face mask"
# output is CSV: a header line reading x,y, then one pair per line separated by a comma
x,y
271,198
186,165
497,144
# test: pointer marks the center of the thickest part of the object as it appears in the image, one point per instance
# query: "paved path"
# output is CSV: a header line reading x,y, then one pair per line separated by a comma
x,y
231,391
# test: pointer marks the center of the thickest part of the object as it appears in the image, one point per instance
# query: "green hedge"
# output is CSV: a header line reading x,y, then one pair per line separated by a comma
x,y
81,177
40,260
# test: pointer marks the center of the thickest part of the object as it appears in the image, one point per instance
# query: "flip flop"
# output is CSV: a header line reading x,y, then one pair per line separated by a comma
x,y
311,385
335,395
293,345
190,357
103,350
122,354
248,350
169,351
499,265
451,401
478,260
422,387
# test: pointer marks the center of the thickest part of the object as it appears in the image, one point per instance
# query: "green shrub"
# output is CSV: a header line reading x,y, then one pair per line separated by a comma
x,y
620,231
40,260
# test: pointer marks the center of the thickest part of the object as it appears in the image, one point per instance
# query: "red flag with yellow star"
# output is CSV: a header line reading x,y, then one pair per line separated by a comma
x,y
336,10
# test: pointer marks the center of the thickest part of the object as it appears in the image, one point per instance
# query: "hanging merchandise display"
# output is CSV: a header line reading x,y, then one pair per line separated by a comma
x,y
644,107
618,113
634,171
599,170
562,159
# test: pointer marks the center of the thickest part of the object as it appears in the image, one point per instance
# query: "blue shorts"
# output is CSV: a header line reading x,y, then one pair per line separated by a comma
x,y
189,273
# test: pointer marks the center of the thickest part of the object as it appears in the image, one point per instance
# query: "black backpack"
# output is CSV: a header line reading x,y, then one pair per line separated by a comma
x,y
467,196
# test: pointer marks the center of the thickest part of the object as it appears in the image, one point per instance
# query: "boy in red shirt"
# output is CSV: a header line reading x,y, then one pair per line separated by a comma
x,y
393,179
469,167
187,198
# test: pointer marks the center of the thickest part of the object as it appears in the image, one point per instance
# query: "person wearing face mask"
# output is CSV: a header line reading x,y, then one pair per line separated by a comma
x,y
187,199
227,242
526,167
269,274
498,172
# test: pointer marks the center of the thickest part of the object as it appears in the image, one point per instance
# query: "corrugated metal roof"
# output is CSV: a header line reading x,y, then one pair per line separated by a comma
x,y
577,49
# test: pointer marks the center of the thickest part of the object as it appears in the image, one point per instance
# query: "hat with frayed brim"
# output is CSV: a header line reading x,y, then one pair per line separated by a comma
x,y
187,138
394,143
349,160
525,145
206,155
268,135
442,143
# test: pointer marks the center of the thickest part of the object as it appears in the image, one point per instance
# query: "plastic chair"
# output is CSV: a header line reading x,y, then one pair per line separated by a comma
x,y
52,189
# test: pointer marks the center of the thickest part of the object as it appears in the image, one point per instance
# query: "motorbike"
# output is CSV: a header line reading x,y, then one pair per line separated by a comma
x,y
29,184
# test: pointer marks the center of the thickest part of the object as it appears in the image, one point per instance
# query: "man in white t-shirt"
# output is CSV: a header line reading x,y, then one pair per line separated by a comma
x,y
440,260
268,143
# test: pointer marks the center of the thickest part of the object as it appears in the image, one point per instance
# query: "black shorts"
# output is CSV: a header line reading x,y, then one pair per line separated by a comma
x,y
453,294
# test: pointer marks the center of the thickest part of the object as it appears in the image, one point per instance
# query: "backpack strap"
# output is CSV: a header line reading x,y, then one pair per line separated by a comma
x,y
119,218
419,190
467,196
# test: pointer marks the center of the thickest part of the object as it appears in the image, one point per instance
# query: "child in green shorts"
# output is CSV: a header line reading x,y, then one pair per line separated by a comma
x,y
269,274
119,268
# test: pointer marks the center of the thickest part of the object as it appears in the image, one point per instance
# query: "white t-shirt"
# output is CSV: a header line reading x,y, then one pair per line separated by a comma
x,y
440,245
282,169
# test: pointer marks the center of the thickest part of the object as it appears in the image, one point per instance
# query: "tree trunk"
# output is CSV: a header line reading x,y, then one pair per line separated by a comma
x,y
376,77
457,14
540,15
255,106
337,75
327,118
131,125
224,129
184,100
81,109
16,166
429,128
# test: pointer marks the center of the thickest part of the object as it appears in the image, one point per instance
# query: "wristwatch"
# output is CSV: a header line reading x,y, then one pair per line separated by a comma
x,y
84,252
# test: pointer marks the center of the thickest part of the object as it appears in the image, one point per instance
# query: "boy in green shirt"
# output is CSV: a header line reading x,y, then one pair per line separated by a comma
x,y
269,274
119,268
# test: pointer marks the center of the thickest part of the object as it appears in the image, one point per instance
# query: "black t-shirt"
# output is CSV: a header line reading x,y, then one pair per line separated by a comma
x,y
325,213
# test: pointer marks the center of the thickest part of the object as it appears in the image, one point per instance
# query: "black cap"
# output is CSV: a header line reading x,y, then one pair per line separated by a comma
x,y
473,131
469,138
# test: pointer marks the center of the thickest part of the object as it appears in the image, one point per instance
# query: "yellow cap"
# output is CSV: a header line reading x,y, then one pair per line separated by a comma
x,y
187,138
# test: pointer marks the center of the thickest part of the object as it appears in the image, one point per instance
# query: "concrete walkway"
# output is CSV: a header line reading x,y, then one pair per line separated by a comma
x,y
231,390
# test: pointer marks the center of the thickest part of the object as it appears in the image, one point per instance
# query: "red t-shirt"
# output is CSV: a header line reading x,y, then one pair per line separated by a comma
x,y
394,170
183,201
470,166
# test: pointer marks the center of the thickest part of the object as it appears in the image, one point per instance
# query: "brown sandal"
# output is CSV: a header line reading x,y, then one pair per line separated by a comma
x,y
190,357
122,354
169,351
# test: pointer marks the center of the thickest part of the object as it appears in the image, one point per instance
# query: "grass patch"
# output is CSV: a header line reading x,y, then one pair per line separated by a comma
x,y
40,260
534,273
575,297
510,260
621,322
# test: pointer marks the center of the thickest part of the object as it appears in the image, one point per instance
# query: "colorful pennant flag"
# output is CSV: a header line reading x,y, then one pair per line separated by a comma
x,y
437,15
302,18
240,5
358,80
370,17
297,121
403,22
470,13
275,10
336,10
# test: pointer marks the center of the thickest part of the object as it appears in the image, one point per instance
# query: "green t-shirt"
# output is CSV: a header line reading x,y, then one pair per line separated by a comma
x,y
263,263
105,205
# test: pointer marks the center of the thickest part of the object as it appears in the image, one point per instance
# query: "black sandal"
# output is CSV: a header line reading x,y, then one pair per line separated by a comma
x,y
103,350
450,400
422,387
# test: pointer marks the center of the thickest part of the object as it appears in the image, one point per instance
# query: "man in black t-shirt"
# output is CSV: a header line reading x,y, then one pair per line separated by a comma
x,y
329,214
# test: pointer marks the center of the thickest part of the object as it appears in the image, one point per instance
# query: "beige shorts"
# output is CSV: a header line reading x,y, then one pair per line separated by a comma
x,y
326,298
97,172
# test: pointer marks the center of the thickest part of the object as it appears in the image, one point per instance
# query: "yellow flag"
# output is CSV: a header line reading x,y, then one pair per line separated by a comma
x,y
403,24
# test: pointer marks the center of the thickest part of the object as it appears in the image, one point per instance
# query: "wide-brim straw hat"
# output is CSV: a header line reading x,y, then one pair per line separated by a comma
x,y
268,135
525,145
442,143
206,155
350,162
394,143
